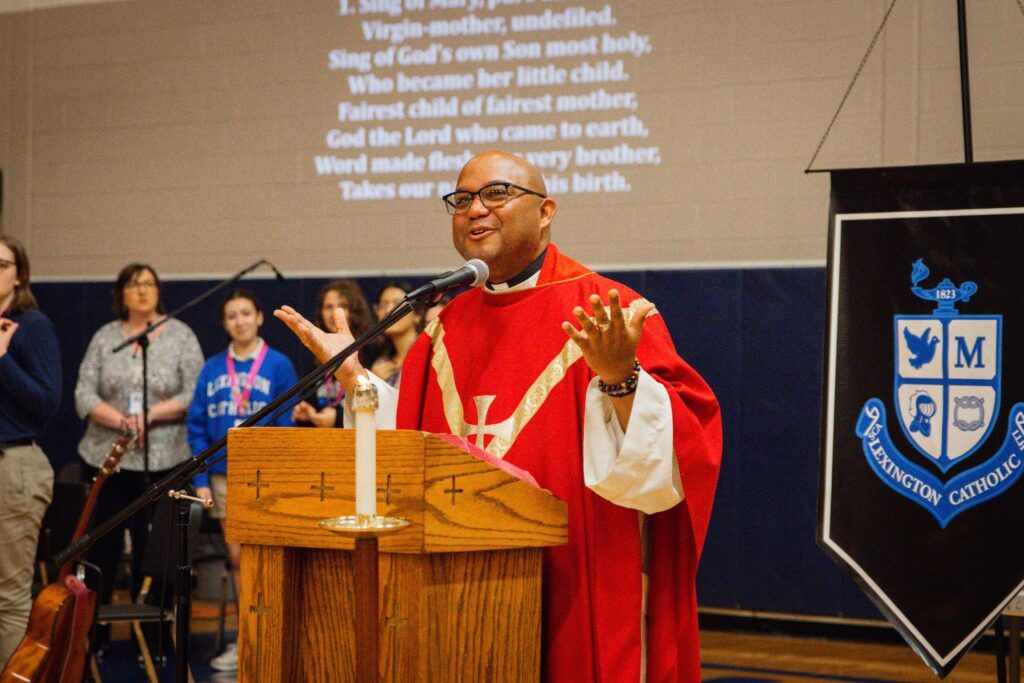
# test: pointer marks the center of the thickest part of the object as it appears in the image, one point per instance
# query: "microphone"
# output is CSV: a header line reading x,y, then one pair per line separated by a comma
x,y
274,268
474,274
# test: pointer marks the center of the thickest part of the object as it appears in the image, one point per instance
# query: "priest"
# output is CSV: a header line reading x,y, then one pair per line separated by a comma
x,y
575,379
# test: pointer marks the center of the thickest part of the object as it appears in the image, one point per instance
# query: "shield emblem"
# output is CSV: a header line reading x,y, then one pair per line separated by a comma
x,y
947,382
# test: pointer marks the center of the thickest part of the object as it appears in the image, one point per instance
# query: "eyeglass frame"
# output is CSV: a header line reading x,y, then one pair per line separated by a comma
x,y
453,211
136,285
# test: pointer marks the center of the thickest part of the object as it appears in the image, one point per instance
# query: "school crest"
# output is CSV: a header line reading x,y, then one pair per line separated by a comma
x,y
947,372
946,401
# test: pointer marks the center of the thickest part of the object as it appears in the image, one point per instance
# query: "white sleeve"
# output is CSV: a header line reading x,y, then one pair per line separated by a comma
x,y
387,404
636,469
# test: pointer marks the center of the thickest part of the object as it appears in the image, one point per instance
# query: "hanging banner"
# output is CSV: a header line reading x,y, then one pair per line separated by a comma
x,y
923,439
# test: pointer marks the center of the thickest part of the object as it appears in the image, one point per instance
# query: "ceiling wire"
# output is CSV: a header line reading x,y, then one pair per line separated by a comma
x,y
856,75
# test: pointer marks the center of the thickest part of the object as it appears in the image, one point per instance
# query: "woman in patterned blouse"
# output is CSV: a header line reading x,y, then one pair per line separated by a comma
x,y
109,396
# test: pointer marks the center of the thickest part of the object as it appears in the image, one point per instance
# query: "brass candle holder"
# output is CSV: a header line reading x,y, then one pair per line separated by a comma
x,y
364,526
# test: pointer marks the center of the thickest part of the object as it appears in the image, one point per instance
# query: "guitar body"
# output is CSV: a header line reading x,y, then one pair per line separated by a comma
x,y
56,642
40,654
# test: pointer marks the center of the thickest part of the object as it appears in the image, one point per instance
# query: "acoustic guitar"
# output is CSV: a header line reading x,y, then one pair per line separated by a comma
x,y
56,642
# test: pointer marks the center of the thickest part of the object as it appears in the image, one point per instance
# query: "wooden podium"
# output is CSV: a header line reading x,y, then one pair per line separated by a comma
x,y
460,588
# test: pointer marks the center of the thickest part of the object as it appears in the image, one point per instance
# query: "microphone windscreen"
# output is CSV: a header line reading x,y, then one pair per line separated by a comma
x,y
481,270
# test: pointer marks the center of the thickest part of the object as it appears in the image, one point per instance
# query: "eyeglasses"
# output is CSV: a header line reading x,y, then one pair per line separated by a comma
x,y
5,264
140,285
491,196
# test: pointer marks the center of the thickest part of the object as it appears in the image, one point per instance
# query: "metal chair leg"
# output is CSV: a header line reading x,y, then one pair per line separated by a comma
x,y
147,659
1014,649
222,616
94,670
1000,638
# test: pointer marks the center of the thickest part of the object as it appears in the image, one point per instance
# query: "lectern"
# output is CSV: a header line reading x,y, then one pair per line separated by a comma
x,y
460,588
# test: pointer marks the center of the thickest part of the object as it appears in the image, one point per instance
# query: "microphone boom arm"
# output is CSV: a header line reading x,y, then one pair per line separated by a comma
x,y
208,293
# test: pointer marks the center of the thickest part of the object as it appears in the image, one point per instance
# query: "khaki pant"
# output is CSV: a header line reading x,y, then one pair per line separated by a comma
x,y
26,488
219,489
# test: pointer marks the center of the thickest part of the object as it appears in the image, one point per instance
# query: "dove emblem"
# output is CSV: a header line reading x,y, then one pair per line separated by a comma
x,y
922,348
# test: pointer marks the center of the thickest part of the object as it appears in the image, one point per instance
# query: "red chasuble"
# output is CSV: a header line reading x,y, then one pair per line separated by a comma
x,y
499,370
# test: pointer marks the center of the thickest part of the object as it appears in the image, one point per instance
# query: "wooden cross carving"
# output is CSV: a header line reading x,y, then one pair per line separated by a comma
x,y
453,490
258,485
387,491
259,609
321,487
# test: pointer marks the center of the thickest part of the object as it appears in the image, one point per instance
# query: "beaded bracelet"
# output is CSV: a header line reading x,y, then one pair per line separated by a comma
x,y
623,388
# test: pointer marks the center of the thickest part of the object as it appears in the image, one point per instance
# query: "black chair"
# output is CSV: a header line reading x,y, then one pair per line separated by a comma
x,y
158,562
211,549
58,525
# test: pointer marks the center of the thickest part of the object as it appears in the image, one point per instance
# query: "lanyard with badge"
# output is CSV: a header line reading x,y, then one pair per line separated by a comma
x,y
333,386
135,397
240,396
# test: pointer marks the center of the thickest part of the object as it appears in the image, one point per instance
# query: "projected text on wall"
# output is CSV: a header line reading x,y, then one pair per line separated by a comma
x,y
425,84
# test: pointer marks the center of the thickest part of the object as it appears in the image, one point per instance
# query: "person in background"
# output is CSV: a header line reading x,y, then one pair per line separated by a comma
x,y
233,385
109,396
347,295
30,386
431,313
400,337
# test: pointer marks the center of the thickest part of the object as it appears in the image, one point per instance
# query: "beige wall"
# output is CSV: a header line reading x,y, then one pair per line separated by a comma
x,y
183,132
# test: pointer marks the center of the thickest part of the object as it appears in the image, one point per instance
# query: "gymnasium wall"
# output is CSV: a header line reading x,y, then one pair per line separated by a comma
x,y
200,136
189,132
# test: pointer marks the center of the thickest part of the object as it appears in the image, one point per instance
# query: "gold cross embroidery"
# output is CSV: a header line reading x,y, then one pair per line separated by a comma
x,y
481,428
503,433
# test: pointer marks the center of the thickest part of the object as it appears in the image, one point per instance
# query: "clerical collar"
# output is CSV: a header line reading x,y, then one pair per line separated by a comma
x,y
524,280
252,354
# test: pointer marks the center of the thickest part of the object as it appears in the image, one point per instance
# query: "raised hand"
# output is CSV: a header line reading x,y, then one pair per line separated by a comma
x,y
325,345
607,341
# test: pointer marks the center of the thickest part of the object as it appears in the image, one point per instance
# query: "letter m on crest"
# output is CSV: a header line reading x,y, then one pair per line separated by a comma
x,y
963,355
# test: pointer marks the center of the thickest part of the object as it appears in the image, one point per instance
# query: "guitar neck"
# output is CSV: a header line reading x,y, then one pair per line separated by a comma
x,y
106,469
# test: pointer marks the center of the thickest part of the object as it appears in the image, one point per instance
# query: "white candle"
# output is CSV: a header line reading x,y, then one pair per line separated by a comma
x,y
364,405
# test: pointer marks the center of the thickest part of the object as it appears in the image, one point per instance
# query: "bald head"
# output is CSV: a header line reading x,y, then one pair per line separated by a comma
x,y
521,171
509,235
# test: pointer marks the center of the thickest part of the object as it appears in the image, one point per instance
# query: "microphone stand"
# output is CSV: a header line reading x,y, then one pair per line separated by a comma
x,y
181,474
142,339
143,342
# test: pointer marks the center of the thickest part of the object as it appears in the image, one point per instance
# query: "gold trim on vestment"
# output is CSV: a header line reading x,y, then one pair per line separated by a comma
x,y
453,410
507,431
